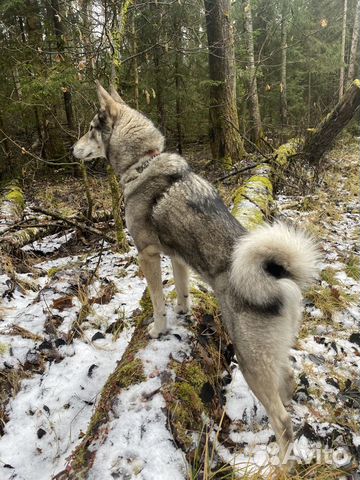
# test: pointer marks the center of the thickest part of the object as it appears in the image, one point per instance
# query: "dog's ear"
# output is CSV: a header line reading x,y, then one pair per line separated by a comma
x,y
115,95
107,103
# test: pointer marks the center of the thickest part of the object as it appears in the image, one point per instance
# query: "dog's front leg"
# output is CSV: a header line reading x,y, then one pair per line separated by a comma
x,y
181,277
150,265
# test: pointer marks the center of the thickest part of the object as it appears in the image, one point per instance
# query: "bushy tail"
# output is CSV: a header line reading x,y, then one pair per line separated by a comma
x,y
265,256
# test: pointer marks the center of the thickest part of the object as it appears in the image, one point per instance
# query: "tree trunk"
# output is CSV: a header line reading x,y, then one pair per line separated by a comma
x,y
319,140
283,93
135,62
226,144
60,44
342,58
178,72
255,118
354,43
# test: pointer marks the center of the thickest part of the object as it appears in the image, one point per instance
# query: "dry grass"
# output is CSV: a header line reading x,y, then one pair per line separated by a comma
x,y
330,299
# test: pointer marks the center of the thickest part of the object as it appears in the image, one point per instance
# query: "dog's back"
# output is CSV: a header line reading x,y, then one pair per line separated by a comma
x,y
192,222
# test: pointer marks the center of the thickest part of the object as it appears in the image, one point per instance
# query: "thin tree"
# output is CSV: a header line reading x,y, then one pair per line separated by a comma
x,y
60,44
342,57
283,91
354,43
255,118
226,143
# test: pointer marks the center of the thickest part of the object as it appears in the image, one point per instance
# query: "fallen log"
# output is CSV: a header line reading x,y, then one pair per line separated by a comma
x,y
26,235
253,200
319,140
12,204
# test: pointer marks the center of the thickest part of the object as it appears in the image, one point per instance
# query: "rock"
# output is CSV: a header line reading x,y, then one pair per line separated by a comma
x,y
91,369
98,336
355,338
59,342
40,433
45,345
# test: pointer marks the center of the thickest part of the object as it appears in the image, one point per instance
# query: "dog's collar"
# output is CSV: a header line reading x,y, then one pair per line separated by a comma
x,y
152,154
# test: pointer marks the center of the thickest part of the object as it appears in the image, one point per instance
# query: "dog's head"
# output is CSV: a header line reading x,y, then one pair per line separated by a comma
x,y
118,133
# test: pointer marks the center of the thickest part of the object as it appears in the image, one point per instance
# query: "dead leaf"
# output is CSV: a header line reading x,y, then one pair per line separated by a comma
x,y
62,303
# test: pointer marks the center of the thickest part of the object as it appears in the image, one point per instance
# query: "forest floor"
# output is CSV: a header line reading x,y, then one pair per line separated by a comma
x,y
72,318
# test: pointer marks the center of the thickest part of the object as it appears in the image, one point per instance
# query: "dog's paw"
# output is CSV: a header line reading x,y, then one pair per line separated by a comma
x,y
182,308
155,332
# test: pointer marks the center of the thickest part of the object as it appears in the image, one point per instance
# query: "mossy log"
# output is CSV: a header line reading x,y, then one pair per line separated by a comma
x,y
253,200
12,242
191,391
319,140
12,204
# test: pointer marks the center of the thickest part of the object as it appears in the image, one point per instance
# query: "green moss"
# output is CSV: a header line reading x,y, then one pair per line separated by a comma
x,y
130,374
53,271
228,163
3,348
205,301
146,308
186,408
192,373
253,200
15,195
284,151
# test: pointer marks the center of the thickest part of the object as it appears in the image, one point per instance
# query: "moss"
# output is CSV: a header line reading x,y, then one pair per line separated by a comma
x,y
146,308
128,374
53,271
356,82
252,200
192,373
228,163
284,151
3,348
15,195
205,301
186,408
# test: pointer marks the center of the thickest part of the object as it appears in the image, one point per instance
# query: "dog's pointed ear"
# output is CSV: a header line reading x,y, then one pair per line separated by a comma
x,y
115,95
107,103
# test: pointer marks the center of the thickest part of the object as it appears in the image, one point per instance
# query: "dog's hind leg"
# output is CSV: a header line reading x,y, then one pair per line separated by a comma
x,y
181,277
150,265
263,378
287,384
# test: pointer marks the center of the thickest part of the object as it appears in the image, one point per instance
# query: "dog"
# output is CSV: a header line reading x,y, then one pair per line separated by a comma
x,y
257,276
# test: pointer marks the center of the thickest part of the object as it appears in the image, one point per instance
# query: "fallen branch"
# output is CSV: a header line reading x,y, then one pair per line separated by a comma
x,y
74,223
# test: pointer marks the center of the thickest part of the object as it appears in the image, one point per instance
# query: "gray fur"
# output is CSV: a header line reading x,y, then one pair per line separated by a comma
x,y
256,276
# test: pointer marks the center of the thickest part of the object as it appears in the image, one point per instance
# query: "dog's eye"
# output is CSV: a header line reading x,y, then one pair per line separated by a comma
x,y
91,128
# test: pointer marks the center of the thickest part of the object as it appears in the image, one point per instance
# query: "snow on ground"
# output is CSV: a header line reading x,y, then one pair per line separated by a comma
x,y
139,444
49,414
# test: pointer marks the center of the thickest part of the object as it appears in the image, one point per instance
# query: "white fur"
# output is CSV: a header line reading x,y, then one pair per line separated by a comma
x,y
280,243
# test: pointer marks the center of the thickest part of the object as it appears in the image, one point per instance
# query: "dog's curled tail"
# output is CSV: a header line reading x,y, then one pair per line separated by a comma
x,y
270,253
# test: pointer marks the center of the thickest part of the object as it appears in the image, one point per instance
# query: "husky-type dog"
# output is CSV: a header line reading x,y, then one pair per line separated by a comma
x,y
256,276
